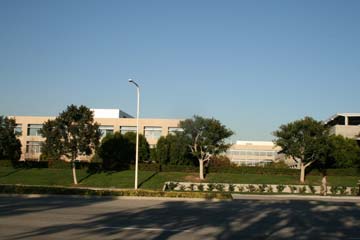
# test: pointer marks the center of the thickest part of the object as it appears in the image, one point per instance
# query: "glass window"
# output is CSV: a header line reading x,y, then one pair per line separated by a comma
x,y
270,154
125,129
354,121
33,147
153,132
174,130
18,130
105,130
34,129
262,153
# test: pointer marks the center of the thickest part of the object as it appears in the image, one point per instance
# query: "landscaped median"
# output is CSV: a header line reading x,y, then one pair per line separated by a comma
x,y
260,188
61,190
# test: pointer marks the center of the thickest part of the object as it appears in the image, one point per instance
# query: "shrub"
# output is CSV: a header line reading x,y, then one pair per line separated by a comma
x,y
220,187
220,161
6,163
200,187
280,188
312,189
172,185
251,188
231,188
182,187
292,188
116,152
144,149
210,187
354,191
342,190
334,189
262,188
270,189
302,189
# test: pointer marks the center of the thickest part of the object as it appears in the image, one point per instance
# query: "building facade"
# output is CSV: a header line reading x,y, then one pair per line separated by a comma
x,y
110,121
253,153
345,124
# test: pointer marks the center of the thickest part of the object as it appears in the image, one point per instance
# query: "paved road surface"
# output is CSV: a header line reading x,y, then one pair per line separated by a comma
x,y
66,217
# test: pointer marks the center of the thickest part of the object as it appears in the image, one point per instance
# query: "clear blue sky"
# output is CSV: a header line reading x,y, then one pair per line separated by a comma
x,y
253,65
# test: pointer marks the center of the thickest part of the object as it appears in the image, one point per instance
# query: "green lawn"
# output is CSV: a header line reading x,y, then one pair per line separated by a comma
x,y
148,179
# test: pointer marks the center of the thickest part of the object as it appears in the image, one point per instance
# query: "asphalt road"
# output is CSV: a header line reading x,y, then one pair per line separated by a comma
x,y
66,217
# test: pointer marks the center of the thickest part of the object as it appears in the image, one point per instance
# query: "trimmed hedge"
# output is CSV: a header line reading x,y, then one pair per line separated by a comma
x,y
28,189
96,166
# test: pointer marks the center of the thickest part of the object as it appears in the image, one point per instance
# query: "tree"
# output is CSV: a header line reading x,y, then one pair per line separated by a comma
x,y
51,148
162,151
144,148
174,150
10,146
116,152
72,133
344,152
304,141
207,138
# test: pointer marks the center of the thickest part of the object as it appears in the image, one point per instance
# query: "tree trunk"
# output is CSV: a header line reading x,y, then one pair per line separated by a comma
x,y
74,172
324,185
302,172
201,165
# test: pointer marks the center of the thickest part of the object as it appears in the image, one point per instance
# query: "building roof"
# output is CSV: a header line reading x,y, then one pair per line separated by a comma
x,y
341,114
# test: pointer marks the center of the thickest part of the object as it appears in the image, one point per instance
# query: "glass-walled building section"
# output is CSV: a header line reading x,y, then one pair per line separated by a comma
x,y
252,153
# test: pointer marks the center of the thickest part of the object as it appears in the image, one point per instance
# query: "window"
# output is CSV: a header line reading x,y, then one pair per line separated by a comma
x,y
34,129
174,130
354,121
18,130
33,147
105,130
125,129
153,132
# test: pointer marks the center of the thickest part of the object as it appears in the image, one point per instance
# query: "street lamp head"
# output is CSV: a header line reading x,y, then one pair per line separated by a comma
x,y
133,82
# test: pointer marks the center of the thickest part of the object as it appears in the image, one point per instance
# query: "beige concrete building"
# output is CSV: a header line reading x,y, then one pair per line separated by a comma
x,y
345,124
110,120
253,153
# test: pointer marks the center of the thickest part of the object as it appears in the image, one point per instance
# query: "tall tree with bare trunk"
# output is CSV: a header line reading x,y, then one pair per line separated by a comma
x,y
304,141
207,138
72,133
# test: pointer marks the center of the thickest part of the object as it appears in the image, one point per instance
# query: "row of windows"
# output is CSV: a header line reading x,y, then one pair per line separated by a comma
x,y
252,162
150,132
252,153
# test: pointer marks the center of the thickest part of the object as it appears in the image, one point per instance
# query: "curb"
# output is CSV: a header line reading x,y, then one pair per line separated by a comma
x,y
294,197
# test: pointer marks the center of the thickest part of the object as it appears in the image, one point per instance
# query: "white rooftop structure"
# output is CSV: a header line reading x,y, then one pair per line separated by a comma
x,y
110,113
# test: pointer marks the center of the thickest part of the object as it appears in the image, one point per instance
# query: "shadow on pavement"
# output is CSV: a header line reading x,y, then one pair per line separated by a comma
x,y
240,219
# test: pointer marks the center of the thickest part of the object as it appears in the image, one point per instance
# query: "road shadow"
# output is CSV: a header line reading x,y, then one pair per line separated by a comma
x,y
240,219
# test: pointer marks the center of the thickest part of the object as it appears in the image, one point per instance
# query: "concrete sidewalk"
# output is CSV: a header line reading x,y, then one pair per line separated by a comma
x,y
295,197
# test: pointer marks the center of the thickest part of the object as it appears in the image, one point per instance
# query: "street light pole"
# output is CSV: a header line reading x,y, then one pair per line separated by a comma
x,y
137,133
